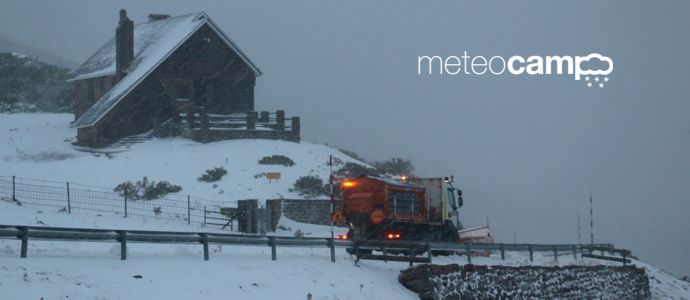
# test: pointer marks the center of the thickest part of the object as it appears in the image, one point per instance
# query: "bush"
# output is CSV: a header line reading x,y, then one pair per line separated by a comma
x,y
352,170
309,186
277,160
395,166
214,174
145,190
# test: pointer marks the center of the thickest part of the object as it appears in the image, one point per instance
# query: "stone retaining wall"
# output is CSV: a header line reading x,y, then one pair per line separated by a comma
x,y
526,282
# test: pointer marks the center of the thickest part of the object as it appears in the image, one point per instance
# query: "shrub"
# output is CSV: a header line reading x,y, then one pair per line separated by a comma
x,y
277,160
145,190
352,170
395,166
214,174
309,186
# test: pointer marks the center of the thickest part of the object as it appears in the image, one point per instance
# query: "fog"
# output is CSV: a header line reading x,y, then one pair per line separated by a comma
x,y
526,150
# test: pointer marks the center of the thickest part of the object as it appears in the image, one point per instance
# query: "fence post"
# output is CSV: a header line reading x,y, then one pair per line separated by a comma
x,y
125,205
204,240
468,253
24,234
189,212
503,252
204,224
272,243
122,236
531,253
14,190
69,205
331,244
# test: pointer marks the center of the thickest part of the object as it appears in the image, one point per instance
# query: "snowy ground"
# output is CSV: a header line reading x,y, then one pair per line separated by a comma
x,y
39,146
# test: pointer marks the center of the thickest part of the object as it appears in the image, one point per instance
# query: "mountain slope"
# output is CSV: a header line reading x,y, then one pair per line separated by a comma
x,y
9,45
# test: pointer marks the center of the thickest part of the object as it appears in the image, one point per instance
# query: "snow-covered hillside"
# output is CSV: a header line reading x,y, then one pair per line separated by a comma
x,y
39,146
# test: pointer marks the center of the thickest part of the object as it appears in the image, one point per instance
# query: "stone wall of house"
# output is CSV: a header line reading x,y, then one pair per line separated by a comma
x,y
526,282
300,210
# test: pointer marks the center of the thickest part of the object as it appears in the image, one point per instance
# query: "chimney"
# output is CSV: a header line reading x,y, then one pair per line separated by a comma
x,y
157,17
124,44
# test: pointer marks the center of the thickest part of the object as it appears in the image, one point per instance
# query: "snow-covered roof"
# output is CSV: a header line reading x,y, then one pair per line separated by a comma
x,y
153,43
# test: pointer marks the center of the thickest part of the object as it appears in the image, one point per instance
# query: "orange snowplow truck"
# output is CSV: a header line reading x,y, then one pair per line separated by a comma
x,y
417,209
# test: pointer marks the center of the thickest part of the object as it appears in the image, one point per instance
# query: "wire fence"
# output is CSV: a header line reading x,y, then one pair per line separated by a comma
x,y
69,197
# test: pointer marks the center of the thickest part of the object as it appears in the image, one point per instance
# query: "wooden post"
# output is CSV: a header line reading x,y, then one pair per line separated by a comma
x,y
205,123
531,253
503,252
555,252
122,236
24,234
190,119
263,118
204,240
204,224
468,253
272,243
189,211
125,204
69,204
280,119
251,120
295,129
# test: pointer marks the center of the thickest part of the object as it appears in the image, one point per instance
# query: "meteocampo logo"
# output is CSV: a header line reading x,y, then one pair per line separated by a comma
x,y
594,67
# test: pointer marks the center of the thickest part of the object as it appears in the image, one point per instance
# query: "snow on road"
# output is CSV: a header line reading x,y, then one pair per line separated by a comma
x,y
89,270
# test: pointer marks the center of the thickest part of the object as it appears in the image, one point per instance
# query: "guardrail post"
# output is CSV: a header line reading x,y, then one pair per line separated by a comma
x,y
468,253
331,244
125,205
555,252
624,253
272,243
531,253
24,235
428,251
14,190
69,205
503,252
204,240
189,212
122,236
574,252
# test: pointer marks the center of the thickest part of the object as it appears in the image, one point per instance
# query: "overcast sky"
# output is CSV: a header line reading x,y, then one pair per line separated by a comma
x,y
527,150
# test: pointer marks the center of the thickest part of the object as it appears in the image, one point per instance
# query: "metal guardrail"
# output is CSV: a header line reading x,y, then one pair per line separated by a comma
x,y
24,233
